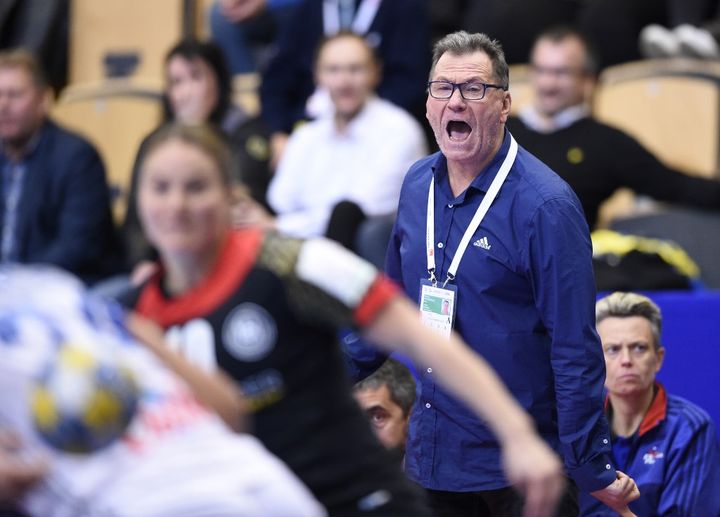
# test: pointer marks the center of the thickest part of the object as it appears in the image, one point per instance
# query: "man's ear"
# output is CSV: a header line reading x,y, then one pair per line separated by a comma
x,y
589,86
661,357
47,101
507,104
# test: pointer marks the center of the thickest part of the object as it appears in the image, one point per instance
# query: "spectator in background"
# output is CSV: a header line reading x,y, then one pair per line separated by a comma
x,y
246,30
54,198
397,29
387,397
666,443
595,159
198,90
357,153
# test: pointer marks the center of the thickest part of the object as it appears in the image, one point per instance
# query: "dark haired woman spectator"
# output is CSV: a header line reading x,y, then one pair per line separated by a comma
x,y
199,90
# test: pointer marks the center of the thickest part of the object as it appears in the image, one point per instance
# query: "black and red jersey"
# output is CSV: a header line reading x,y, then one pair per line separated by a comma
x,y
268,314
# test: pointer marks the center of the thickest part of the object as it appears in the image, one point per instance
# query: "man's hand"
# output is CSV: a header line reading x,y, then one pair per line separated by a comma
x,y
17,475
142,271
536,472
619,494
278,142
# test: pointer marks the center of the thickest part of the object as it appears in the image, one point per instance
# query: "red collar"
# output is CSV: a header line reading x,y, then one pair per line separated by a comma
x,y
236,258
656,412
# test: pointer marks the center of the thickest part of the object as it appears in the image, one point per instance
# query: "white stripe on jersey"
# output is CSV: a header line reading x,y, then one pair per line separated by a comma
x,y
335,270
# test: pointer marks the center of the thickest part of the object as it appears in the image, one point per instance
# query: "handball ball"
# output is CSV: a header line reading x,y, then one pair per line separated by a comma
x,y
83,402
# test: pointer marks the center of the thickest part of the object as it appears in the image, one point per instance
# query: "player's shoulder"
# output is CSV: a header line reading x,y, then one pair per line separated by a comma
x,y
320,262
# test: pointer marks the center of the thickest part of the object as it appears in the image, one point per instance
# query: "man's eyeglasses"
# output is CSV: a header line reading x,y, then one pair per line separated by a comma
x,y
470,91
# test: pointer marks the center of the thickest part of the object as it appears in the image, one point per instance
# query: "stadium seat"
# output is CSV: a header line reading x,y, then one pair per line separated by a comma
x,y
200,17
127,38
671,106
115,115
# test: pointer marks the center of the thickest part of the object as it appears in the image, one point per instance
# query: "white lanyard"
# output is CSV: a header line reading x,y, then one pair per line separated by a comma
x,y
476,220
361,23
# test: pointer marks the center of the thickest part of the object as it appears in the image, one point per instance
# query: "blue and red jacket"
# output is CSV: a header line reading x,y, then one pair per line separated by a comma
x,y
673,457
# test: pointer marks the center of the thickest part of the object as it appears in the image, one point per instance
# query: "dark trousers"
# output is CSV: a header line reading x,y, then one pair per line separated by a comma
x,y
504,502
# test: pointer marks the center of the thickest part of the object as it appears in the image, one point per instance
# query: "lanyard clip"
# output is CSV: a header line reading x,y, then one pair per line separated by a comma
x,y
433,280
450,278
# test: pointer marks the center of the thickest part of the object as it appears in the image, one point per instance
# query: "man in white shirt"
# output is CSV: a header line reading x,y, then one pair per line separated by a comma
x,y
357,151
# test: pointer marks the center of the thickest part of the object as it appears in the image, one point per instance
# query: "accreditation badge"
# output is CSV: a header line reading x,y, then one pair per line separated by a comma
x,y
437,306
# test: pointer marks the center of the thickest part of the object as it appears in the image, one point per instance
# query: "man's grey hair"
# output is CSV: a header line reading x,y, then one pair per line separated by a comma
x,y
626,305
461,43
399,381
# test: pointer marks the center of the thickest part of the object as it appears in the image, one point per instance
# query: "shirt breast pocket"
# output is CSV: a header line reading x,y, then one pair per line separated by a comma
x,y
494,267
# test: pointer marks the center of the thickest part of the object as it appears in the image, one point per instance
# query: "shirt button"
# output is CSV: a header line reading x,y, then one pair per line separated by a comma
x,y
605,441
608,467
429,370
450,205
440,244
427,405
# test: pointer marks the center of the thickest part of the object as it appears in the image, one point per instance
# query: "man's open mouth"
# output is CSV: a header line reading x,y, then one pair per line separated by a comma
x,y
458,130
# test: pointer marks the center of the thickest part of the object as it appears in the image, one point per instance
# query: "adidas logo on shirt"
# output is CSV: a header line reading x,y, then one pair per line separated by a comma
x,y
482,243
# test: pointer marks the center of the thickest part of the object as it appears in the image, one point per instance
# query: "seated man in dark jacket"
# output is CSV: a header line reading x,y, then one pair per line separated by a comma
x,y
54,198
593,158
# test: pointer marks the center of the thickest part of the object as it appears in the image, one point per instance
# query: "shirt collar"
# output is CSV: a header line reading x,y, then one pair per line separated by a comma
x,y
657,411
567,117
356,126
655,414
484,178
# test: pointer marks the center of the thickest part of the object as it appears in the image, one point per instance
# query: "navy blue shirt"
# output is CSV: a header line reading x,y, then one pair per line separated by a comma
x,y
526,301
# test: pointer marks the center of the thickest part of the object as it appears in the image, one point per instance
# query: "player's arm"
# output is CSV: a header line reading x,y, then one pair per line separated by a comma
x,y
215,389
336,282
529,463
17,475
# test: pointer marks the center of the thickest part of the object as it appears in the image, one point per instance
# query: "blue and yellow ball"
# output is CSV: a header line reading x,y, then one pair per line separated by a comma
x,y
82,402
